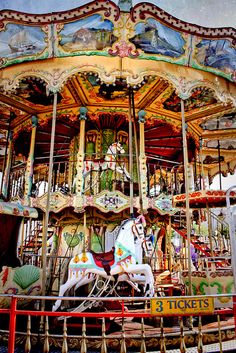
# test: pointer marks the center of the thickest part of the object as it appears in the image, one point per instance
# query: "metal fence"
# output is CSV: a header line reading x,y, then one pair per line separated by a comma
x,y
115,324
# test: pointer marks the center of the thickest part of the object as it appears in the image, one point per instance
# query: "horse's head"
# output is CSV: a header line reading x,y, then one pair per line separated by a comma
x,y
118,147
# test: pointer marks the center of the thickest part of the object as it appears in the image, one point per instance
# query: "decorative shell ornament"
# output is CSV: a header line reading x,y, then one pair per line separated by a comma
x,y
73,240
27,275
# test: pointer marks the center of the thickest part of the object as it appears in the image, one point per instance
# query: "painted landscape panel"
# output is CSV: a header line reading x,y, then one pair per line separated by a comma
x,y
154,37
19,40
219,54
90,33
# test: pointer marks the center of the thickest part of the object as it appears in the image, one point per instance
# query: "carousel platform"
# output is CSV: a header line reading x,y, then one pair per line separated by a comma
x,y
227,347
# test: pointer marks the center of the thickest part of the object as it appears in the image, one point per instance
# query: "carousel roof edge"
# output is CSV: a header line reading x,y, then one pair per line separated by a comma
x,y
16,209
108,7
182,77
140,11
99,29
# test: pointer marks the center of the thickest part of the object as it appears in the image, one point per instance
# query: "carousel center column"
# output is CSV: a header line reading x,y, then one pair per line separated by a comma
x,y
30,162
142,162
79,200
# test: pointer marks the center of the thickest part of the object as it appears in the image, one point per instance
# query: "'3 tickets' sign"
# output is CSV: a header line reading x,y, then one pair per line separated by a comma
x,y
182,306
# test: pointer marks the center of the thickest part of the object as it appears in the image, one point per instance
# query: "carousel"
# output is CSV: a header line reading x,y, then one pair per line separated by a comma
x,y
114,121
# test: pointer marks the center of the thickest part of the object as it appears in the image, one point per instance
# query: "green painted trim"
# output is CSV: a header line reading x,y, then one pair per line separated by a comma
x,y
159,57
20,60
214,71
82,53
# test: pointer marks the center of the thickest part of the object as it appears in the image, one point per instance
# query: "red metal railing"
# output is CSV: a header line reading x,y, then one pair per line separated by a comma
x,y
122,312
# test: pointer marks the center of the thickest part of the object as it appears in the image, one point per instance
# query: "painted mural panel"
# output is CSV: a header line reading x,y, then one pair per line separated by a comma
x,y
19,40
201,97
72,240
228,144
91,33
225,122
212,283
34,91
218,54
154,37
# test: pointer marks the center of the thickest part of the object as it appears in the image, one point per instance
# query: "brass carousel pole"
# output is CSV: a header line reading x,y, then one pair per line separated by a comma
x,y
202,180
232,230
7,150
46,215
137,152
187,208
7,170
131,156
219,156
30,161
142,166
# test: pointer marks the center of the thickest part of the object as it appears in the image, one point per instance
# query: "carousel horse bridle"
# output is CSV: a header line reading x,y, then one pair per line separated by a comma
x,y
139,223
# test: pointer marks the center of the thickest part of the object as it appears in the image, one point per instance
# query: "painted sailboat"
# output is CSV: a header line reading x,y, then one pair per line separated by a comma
x,y
22,42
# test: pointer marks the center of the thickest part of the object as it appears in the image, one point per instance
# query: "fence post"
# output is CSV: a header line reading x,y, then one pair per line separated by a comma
x,y
12,326
234,312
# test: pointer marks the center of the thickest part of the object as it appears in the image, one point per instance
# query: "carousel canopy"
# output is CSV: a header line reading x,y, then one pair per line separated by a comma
x,y
16,209
98,56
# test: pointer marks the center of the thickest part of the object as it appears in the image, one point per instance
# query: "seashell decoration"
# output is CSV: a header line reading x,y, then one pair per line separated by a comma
x,y
26,275
72,240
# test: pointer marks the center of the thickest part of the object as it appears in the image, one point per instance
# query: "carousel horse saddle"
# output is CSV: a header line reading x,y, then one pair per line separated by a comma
x,y
104,259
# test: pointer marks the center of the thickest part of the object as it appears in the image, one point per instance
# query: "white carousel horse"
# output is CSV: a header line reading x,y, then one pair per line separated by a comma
x,y
84,268
110,161
155,190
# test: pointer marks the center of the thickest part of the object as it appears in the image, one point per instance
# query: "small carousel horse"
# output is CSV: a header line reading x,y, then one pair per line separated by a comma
x,y
122,260
110,161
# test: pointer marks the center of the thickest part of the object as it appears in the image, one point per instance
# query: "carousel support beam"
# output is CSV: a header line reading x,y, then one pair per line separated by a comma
x,y
6,173
131,155
169,232
137,154
30,161
142,162
22,237
219,158
80,160
6,155
83,118
187,208
232,234
202,179
85,242
46,215
209,229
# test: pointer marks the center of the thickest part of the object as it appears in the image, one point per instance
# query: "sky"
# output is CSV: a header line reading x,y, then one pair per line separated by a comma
x,y
208,13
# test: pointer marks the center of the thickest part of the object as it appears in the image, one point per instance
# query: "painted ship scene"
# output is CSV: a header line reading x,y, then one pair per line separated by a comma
x,y
117,181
